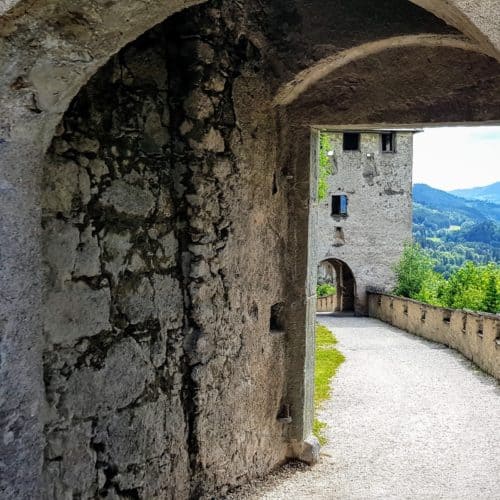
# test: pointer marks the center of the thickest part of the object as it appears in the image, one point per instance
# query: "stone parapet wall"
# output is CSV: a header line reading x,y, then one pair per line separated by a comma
x,y
475,335
326,304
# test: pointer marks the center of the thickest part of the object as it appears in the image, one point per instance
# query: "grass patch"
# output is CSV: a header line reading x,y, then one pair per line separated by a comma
x,y
328,359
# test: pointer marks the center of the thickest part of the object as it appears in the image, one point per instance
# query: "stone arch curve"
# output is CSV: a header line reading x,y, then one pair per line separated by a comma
x,y
477,20
72,43
346,284
291,91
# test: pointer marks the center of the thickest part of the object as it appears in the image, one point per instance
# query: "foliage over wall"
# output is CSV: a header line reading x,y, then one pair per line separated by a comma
x,y
325,166
472,286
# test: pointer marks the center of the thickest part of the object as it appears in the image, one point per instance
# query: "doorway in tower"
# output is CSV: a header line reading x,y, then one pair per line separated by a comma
x,y
336,287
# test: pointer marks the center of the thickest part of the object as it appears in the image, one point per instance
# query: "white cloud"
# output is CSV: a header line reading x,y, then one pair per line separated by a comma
x,y
457,157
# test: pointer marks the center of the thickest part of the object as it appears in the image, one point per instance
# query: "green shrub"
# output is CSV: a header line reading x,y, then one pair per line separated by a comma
x,y
325,290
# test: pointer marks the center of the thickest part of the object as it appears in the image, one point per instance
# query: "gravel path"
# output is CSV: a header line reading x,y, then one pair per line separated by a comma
x,y
409,419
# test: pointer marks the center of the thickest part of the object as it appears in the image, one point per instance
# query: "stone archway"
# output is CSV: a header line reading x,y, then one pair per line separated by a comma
x,y
146,216
345,285
255,188
313,74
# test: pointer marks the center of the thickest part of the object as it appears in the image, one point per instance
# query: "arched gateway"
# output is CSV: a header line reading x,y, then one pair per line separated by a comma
x,y
345,284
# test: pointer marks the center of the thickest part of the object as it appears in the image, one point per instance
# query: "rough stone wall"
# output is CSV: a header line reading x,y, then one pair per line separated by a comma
x,y
379,219
234,249
475,335
113,302
157,249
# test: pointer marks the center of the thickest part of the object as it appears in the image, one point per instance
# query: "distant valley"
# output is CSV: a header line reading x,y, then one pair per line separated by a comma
x,y
459,226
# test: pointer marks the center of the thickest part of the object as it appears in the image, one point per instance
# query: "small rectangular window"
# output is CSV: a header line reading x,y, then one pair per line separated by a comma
x,y
351,141
339,205
388,142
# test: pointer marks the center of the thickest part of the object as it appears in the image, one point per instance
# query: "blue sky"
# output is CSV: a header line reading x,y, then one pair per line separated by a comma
x,y
457,157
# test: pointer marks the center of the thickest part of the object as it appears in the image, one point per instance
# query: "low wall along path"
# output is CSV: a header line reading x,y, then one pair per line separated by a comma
x,y
475,335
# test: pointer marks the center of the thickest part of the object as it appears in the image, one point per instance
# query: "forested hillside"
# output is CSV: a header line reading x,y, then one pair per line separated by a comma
x,y
454,229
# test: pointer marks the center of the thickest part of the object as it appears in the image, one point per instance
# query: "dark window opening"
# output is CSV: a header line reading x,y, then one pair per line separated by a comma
x,y
276,322
388,142
339,237
480,327
447,317
339,205
275,184
351,141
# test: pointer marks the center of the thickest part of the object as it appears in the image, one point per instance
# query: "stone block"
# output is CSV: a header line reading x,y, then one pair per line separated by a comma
x,y
60,241
169,301
74,312
211,141
60,186
198,105
129,199
116,247
136,301
88,255
123,378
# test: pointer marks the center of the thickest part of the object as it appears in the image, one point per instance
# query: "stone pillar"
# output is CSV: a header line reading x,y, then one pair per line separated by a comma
x,y
21,389
302,293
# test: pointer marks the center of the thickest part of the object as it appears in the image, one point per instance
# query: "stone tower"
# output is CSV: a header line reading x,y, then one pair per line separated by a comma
x,y
367,215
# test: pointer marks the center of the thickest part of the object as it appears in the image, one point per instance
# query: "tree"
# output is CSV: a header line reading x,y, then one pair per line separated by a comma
x,y
431,289
492,295
473,287
413,270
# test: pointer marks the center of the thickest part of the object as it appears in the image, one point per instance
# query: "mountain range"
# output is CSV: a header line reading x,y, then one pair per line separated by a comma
x,y
457,207
455,228
485,193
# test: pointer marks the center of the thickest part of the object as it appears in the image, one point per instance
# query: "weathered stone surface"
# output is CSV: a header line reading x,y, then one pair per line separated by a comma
x,y
78,459
123,378
211,141
76,311
155,135
128,199
88,255
198,105
168,301
136,301
116,249
65,185
60,245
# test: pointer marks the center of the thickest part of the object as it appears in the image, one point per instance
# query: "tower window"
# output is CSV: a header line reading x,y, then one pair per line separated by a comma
x,y
339,205
351,141
388,142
